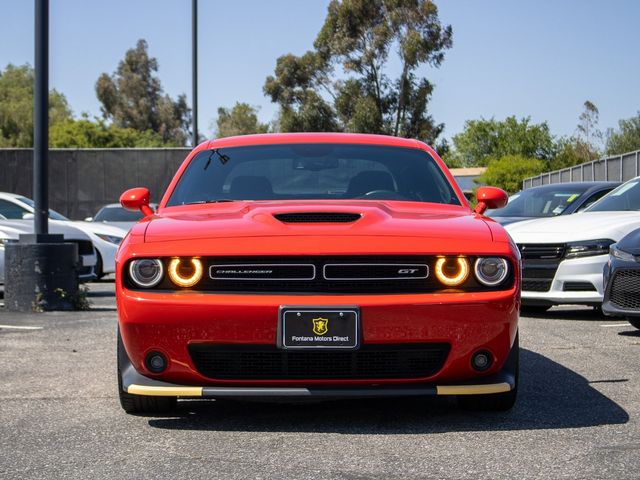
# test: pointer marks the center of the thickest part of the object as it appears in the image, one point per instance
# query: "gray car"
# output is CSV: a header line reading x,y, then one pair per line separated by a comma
x,y
113,214
550,201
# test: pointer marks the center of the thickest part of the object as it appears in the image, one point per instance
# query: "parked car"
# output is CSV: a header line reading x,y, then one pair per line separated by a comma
x,y
315,266
550,201
563,257
116,216
10,230
105,238
622,279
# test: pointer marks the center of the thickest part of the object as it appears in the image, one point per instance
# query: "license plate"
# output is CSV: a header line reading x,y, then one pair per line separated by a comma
x,y
318,328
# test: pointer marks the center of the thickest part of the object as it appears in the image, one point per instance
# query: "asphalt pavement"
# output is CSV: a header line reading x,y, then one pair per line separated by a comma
x,y
577,414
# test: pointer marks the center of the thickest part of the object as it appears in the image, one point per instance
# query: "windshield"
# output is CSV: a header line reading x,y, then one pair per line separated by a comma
x,y
117,214
624,198
313,171
52,213
537,202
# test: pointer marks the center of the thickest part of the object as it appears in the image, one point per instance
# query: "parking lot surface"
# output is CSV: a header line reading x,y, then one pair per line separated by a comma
x,y
577,415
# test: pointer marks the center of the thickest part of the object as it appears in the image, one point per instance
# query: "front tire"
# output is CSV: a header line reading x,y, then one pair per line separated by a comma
x,y
140,404
496,402
634,321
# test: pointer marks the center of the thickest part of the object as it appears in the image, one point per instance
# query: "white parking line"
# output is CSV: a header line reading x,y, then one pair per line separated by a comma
x,y
20,327
617,325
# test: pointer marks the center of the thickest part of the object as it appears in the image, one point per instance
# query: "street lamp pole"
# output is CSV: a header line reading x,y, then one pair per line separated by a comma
x,y
41,120
194,69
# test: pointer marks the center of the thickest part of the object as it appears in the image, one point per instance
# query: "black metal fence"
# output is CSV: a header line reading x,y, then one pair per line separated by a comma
x,y
618,168
83,180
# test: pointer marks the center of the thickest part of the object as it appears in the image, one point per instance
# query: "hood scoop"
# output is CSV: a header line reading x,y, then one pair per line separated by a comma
x,y
318,217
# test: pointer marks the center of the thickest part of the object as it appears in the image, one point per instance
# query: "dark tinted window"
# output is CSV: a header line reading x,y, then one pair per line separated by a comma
x,y
11,211
313,171
116,214
539,202
625,197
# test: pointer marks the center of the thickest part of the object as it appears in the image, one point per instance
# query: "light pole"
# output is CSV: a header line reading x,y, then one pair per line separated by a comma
x,y
194,69
40,269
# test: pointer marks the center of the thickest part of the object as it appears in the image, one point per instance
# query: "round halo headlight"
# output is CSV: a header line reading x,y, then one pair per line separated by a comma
x,y
452,271
491,271
185,274
146,272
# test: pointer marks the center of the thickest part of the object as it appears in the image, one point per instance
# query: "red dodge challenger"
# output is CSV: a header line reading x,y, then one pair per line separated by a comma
x,y
316,266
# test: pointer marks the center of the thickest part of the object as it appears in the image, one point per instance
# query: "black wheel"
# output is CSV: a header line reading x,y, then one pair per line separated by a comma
x,y
534,309
141,403
634,321
496,402
98,267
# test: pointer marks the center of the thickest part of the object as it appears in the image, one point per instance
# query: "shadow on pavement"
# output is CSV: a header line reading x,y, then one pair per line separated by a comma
x,y
634,332
579,313
550,397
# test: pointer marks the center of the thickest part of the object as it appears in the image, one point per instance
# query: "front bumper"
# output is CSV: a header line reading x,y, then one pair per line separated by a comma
x,y
578,270
608,307
135,383
170,322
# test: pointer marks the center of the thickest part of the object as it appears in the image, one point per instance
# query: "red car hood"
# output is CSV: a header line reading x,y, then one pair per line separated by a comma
x,y
256,219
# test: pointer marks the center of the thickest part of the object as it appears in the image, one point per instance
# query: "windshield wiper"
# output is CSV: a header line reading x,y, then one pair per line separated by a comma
x,y
217,200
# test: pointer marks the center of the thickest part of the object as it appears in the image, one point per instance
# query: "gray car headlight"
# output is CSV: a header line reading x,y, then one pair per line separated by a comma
x,y
588,248
621,254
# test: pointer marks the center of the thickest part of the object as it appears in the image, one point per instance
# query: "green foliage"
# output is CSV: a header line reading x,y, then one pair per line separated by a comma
x,y
87,134
242,119
484,140
344,84
626,138
507,172
133,98
16,107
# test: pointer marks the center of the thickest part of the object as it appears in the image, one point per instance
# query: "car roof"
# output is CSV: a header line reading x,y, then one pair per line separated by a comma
x,y
586,185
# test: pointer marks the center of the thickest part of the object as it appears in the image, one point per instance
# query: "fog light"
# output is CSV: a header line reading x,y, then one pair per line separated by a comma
x,y
481,360
155,362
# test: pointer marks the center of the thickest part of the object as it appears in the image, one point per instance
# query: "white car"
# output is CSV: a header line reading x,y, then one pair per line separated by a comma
x,y
105,238
10,230
563,257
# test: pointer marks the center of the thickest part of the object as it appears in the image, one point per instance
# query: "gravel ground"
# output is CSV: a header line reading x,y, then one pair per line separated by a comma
x,y
577,414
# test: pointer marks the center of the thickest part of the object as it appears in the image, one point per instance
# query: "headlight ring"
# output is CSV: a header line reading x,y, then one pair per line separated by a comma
x,y
182,279
452,271
146,272
491,271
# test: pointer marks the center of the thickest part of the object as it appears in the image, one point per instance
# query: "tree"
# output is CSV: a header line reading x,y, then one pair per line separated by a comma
x,y
344,84
507,172
626,138
484,140
87,134
133,98
588,136
242,119
16,106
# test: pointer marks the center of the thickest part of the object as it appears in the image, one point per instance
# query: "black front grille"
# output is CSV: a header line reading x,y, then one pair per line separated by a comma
x,y
318,217
539,265
266,362
542,251
625,289
578,287
536,285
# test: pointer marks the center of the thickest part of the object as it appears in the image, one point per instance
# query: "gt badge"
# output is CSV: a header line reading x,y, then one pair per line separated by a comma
x,y
320,325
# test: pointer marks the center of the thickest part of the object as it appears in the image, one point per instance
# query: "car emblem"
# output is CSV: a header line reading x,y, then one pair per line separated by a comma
x,y
320,325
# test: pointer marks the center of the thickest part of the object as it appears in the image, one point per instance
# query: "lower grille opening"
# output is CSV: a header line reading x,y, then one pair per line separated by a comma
x,y
536,285
578,287
267,362
625,289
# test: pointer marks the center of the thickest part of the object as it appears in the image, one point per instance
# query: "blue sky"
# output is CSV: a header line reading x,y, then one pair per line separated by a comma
x,y
539,58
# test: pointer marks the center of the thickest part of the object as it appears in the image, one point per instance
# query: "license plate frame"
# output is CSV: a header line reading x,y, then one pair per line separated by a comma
x,y
298,331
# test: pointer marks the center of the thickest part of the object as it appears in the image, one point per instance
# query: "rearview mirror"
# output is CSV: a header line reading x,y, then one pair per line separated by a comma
x,y
136,199
490,197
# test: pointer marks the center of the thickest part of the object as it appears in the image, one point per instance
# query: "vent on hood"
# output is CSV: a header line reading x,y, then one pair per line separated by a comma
x,y
318,217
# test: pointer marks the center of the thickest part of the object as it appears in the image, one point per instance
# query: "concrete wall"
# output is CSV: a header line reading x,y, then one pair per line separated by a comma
x,y
82,181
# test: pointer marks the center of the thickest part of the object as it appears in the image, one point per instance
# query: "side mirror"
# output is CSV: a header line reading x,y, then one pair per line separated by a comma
x,y
136,199
88,219
27,216
490,197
